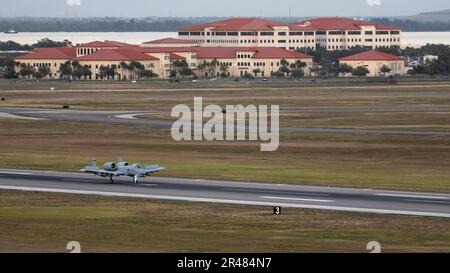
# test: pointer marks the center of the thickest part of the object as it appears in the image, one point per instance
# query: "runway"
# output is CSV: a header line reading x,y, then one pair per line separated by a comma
x,y
132,118
227,192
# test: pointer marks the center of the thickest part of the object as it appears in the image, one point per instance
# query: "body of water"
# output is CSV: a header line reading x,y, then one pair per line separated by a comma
x,y
84,37
413,39
418,39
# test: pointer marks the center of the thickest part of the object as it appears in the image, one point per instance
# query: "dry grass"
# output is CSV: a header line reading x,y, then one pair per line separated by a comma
x,y
413,163
46,222
397,162
40,222
152,97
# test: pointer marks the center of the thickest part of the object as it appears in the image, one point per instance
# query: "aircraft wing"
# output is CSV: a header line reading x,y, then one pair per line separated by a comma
x,y
100,172
153,169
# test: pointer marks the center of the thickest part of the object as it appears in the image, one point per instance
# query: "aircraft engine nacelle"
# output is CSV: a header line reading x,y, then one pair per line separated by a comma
x,y
110,166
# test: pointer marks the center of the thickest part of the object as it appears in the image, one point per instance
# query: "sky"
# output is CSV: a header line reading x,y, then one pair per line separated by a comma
x,y
221,8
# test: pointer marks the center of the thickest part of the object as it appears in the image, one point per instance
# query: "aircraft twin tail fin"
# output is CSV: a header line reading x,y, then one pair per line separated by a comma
x,y
94,163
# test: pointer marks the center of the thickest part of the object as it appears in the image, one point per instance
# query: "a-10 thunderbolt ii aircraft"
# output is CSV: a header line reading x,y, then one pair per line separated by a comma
x,y
121,168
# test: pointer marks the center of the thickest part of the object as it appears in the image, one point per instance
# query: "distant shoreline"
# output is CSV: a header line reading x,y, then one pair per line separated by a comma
x,y
167,31
409,39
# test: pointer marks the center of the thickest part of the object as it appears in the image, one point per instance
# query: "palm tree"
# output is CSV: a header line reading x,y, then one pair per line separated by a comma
x,y
26,70
212,66
256,71
224,70
385,69
124,66
43,71
345,69
202,67
86,71
135,67
284,67
65,69
360,71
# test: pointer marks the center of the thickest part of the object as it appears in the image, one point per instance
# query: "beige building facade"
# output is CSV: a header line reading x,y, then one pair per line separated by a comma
x,y
374,61
328,33
203,61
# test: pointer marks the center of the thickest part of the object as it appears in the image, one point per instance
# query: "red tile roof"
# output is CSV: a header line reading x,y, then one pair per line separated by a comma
x,y
174,56
166,49
138,53
57,53
339,24
105,44
278,53
122,54
372,55
236,24
256,24
169,41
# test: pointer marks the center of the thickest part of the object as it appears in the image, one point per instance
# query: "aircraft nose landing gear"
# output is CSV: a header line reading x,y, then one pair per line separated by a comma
x,y
135,179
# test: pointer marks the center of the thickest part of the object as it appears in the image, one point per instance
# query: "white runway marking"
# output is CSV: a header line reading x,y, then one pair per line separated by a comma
x,y
268,191
411,196
228,201
428,201
19,173
296,199
274,192
132,116
7,115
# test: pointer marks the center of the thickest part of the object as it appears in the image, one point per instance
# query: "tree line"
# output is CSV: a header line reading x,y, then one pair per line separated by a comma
x,y
329,60
111,24
411,25
107,24
13,46
74,70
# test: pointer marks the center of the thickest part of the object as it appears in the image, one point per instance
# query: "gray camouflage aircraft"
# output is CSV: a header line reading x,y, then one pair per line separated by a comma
x,y
122,168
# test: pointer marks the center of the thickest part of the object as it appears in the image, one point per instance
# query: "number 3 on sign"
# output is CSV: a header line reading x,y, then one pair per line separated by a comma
x,y
74,247
374,247
276,210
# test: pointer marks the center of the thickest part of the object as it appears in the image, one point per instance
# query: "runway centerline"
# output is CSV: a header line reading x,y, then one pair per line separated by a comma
x,y
296,199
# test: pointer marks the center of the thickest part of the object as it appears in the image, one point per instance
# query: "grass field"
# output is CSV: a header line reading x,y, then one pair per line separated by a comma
x,y
40,222
413,163
388,162
149,85
36,222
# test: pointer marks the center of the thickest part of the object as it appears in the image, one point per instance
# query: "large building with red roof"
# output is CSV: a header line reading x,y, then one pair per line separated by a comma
x,y
231,61
328,33
168,42
51,58
374,60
